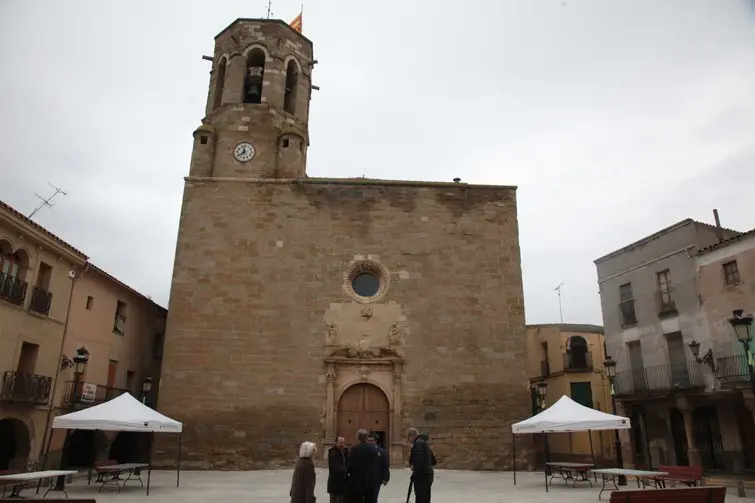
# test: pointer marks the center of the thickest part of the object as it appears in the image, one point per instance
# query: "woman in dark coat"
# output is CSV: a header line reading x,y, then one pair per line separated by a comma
x,y
337,456
303,482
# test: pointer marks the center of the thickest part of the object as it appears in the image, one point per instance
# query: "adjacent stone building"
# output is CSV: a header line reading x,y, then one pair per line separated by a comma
x,y
55,305
661,296
569,357
306,308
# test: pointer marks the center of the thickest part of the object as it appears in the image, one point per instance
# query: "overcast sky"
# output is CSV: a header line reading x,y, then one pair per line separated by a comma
x,y
614,118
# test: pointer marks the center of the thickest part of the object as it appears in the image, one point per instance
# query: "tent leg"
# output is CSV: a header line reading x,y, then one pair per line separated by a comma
x,y
149,461
592,453
571,449
178,465
513,455
91,461
44,460
545,454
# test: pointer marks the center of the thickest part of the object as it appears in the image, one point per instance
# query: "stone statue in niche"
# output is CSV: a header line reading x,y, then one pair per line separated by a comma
x,y
332,338
395,336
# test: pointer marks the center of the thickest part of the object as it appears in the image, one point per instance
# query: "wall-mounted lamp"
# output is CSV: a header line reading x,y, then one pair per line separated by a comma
x,y
707,358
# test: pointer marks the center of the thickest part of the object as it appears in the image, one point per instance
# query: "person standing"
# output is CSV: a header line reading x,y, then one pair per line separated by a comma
x,y
421,461
383,466
303,481
360,467
337,456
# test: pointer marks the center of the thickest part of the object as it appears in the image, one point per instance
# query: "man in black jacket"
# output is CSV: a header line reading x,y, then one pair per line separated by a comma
x,y
383,467
421,461
337,456
361,471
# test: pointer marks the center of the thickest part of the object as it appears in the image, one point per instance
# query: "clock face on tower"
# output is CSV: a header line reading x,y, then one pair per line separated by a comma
x,y
244,151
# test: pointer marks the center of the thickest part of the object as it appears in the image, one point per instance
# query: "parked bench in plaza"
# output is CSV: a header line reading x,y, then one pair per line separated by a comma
x,y
690,476
676,495
99,464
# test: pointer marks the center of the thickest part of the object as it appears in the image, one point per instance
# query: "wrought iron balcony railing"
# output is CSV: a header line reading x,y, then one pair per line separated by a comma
x,y
86,394
659,379
732,371
665,302
577,361
29,388
12,289
41,300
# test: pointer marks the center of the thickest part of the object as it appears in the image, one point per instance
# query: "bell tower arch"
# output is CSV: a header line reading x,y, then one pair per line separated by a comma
x,y
257,105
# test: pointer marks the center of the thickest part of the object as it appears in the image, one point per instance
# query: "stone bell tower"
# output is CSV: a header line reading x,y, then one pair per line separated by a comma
x,y
258,104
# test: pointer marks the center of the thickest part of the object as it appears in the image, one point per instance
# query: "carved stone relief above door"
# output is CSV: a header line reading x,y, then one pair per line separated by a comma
x,y
363,326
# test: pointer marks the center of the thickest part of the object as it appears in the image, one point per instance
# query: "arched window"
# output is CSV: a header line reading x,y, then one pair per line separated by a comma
x,y
255,71
289,98
576,349
219,84
13,264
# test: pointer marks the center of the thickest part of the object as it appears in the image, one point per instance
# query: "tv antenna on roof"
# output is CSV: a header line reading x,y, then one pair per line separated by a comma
x,y
560,311
269,12
46,202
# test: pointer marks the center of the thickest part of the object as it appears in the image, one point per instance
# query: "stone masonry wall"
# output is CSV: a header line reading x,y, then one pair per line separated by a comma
x,y
259,262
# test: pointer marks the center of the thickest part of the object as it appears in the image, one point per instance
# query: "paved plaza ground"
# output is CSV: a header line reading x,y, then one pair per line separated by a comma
x,y
451,486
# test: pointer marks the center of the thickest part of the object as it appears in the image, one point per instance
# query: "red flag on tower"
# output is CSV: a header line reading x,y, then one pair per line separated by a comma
x,y
296,23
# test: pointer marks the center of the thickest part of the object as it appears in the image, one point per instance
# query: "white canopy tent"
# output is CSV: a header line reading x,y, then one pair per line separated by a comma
x,y
567,416
123,413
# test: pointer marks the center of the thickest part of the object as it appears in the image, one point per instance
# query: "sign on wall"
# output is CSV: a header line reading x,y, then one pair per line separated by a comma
x,y
88,392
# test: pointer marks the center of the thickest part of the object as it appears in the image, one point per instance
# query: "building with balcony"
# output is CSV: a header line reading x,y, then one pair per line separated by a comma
x,y
35,289
570,358
53,303
651,313
725,282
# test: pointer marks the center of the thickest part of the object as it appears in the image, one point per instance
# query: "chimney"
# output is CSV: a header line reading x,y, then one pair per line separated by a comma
x,y
719,229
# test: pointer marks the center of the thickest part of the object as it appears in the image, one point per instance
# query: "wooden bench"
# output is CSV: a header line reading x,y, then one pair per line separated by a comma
x,y
687,475
677,495
105,462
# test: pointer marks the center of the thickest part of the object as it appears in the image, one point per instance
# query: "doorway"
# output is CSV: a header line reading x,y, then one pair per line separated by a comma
x,y
708,437
363,406
14,444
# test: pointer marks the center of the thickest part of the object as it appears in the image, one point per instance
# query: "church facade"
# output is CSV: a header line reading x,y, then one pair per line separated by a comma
x,y
306,308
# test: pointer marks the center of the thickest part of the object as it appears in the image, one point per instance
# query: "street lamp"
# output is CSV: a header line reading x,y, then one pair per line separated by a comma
x,y
146,388
541,389
609,366
80,360
742,325
707,358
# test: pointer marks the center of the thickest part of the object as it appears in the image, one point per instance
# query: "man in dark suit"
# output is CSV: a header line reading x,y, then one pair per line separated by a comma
x,y
383,467
337,457
361,471
421,461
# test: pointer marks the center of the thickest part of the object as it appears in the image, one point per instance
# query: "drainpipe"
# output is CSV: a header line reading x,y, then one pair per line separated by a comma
x,y
57,369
